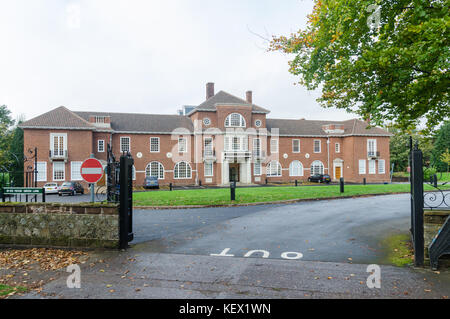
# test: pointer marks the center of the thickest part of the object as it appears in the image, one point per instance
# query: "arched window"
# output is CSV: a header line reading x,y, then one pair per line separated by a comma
x,y
317,168
274,169
296,169
235,120
155,169
182,171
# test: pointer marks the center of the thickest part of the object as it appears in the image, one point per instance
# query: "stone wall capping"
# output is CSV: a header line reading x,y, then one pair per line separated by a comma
x,y
59,208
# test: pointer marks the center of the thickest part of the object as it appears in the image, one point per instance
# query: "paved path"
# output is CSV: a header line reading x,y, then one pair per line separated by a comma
x,y
330,231
171,256
125,275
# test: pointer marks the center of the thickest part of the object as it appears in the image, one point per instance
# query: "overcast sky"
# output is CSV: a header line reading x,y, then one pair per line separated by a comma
x,y
147,56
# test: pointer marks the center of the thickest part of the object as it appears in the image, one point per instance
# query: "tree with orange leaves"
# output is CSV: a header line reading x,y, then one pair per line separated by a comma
x,y
387,60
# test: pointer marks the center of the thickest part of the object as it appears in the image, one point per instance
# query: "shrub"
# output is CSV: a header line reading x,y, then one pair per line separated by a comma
x,y
428,173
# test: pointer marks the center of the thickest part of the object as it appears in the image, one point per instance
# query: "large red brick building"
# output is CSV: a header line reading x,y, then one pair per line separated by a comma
x,y
223,139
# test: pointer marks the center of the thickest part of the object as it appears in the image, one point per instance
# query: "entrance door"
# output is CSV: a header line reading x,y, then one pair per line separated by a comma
x,y
338,172
234,173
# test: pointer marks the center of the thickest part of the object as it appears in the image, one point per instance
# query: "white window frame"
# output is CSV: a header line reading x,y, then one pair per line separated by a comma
x,y
236,144
320,146
41,176
100,150
180,148
373,167
72,177
369,141
121,144
362,168
317,163
270,170
52,144
381,166
257,168
293,146
300,167
175,171
64,172
209,174
208,149
229,120
274,146
158,144
207,121
257,147
337,147
161,170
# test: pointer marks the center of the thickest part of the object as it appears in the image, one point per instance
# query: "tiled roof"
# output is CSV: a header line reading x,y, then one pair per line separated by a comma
x,y
315,128
143,123
58,118
226,98
62,118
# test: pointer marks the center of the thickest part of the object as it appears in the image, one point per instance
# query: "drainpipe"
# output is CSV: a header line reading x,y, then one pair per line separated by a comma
x,y
328,155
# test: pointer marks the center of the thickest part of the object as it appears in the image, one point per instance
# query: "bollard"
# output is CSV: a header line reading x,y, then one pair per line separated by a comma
x,y
171,186
342,184
267,182
296,183
233,191
200,183
364,181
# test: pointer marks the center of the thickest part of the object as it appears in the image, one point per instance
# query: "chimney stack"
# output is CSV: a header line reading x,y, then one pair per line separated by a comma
x,y
249,96
209,90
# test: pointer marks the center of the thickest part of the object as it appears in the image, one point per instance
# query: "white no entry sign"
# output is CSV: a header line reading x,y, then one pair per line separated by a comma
x,y
92,170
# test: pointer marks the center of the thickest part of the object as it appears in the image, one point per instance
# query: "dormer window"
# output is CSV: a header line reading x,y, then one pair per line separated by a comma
x,y
235,120
100,119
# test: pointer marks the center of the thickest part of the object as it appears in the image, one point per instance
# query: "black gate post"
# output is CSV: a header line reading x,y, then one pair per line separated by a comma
x,y
417,218
233,191
341,182
126,201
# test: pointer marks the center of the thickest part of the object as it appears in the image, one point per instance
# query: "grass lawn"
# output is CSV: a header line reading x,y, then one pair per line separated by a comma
x,y
259,194
399,250
6,290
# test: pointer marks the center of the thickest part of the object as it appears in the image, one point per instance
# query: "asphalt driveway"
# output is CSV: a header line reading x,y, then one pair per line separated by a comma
x,y
332,231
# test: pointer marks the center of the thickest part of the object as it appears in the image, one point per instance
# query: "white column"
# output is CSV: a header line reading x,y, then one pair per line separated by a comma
x,y
243,172
225,172
249,171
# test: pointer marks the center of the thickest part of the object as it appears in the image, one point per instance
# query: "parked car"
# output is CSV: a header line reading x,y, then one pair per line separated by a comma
x,y
51,188
71,188
151,182
320,178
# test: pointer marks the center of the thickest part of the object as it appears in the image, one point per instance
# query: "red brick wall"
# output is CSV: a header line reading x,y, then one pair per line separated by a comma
x,y
140,143
79,146
82,143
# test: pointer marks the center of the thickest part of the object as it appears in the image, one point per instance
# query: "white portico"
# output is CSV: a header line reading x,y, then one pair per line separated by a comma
x,y
236,160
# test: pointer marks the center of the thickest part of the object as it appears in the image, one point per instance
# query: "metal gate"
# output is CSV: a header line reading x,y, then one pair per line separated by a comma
x,y
120,190
26,177
437,199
